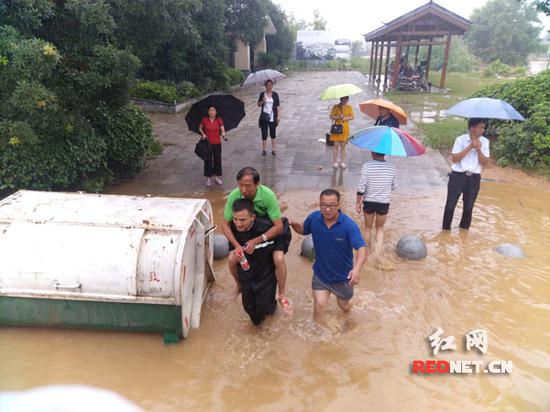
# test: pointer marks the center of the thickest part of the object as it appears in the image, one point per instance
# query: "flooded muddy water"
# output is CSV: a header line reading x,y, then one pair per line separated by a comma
x,y
358,363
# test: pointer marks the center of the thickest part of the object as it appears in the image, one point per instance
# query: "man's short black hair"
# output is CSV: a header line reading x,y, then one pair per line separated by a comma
x,y
378,154
249,171
243,204
330,192
474,121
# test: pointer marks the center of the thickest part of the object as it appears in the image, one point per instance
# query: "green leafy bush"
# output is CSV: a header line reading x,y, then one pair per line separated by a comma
x,y
524,143
127,133
161,92
234,76
267,60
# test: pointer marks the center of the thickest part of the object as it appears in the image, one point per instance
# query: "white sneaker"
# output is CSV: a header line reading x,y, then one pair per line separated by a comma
x,y
218,180
208,181
335,165
343,165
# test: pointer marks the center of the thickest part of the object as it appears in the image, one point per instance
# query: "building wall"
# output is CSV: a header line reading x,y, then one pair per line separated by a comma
x,y
242,55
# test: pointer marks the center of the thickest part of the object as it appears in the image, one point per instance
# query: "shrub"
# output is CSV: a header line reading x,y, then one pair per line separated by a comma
x,y
525,143
528,143
128,135
267,60
235,76
185,89
161,92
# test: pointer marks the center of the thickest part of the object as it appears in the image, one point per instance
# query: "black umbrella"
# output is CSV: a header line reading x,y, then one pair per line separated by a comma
x,y
229,108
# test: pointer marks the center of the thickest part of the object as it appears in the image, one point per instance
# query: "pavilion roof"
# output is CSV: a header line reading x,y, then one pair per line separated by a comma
x,y
427,21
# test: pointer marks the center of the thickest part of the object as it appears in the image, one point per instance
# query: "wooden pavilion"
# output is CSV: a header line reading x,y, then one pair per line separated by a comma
x,y
427,26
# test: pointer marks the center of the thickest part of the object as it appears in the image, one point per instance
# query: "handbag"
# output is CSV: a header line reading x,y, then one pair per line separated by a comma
x,y
265,117
203,149
337,128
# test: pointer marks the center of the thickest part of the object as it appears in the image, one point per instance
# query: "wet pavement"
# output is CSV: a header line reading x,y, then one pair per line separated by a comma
x,y
302,162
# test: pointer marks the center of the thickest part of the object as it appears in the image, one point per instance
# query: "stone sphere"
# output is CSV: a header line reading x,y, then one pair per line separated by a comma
x,y
411,247
221,247
510,250
307,248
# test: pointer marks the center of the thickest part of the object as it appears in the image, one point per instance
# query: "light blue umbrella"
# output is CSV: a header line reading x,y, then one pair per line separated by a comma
x,y
485,108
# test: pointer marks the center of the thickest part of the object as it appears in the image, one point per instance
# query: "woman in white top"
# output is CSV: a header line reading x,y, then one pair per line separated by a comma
x,y
269,115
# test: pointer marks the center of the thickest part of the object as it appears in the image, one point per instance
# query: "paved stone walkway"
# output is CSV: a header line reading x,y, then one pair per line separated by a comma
x,y
302,162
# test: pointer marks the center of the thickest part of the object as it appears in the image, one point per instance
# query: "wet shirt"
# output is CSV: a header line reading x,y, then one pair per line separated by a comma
x,y
261,261
391,121
212,129
265,203
378,179
334,246
470,162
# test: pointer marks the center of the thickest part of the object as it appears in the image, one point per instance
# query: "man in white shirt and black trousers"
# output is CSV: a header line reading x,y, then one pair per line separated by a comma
x,y
470,152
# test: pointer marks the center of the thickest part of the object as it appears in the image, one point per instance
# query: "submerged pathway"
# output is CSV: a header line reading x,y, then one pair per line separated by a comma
x,y
302,162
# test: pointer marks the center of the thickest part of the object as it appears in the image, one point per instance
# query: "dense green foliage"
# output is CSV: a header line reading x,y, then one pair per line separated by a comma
x,y
461,58
524,143
57,66
66,67
505,30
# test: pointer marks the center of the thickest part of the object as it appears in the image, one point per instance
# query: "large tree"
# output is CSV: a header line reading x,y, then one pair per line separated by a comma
x,y
505,30
246,19
283,42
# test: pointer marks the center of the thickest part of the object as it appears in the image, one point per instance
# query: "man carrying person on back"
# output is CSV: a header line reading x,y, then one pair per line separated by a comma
x,y
470,152
265,205
256,272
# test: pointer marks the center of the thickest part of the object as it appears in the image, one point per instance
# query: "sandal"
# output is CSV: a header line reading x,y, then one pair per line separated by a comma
x,y
273,153
264,152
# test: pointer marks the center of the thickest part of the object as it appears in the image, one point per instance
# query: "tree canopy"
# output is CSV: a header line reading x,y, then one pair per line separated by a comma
x,y
505,30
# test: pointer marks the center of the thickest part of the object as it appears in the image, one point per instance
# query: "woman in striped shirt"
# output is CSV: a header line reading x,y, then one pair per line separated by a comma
x,y
378,179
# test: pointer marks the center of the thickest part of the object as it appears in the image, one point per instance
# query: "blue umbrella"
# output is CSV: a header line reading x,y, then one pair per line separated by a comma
x,y
387,140
485,108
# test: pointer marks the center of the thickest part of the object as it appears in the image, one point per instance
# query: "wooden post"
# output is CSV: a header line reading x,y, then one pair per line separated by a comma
x,y
407,56
373,78
445,61
416,57
380,64
388,48
370,61
395,73
429,58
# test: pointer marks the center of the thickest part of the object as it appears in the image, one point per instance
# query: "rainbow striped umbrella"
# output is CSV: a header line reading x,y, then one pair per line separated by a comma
x,y
387,140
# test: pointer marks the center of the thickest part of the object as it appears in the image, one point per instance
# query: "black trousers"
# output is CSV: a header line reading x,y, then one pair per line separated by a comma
x,y
213,166
272,126
468,187
258,297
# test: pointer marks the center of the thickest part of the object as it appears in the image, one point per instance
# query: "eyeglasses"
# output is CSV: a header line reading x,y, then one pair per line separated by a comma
x,y
331,206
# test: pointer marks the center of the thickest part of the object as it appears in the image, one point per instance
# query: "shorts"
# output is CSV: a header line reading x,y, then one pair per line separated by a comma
x,y
342,290
282,242
271,127
375,207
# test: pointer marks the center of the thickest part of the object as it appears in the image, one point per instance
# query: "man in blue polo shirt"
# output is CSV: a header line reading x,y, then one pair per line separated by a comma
x,y
335,235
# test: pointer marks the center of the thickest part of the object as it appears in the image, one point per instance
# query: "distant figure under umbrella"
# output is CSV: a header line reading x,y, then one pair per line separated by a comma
x,y
270,115
386,118
341,114
470,152
211,127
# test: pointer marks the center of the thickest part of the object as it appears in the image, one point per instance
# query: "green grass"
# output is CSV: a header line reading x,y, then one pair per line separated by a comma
x,y
441,135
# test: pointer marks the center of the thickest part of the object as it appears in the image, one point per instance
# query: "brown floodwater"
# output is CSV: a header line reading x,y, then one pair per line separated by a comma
x,y
357,363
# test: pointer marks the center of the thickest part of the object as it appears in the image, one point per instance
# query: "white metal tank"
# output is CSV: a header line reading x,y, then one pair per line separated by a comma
x,y
104,261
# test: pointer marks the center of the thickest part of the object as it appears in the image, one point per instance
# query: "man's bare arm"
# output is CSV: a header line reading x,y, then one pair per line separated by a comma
x,y
229,234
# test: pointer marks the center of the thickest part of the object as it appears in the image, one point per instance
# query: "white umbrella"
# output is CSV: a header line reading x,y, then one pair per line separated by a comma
x,y
261,76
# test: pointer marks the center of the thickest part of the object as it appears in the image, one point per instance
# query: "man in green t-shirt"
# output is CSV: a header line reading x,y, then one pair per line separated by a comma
x,y
265,205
